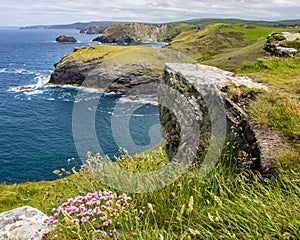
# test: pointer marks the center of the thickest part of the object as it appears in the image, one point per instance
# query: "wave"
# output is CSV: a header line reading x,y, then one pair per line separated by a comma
x,y
41,79
140,100
34,92
17,71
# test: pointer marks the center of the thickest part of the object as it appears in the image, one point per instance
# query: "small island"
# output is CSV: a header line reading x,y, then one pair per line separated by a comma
x,y
65,39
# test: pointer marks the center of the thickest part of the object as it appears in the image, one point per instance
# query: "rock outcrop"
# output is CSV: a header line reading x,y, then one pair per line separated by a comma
x,y
133,33
66,39
101,67
283,44
209,114
24,223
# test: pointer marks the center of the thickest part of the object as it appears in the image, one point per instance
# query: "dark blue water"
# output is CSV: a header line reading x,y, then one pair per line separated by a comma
x,y
36,130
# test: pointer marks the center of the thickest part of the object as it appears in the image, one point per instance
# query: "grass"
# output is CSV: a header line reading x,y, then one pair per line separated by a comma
x,y
203,43
129,58
280,108
227,46
231,203
280,112
253,32
238,57
176,29
95,53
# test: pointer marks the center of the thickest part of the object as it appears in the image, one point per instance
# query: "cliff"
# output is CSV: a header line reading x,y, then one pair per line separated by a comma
x,y
133,33
198,118
102,67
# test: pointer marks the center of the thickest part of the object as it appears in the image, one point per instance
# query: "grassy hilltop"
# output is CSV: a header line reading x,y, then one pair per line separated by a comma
x,y
233,202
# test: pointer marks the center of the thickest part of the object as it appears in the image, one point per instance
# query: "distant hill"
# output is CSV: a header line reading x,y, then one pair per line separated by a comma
x,y
200,21
77,25
281,23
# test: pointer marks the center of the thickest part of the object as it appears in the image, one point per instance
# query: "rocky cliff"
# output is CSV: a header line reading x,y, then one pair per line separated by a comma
x,y
133,33
198,117
101,67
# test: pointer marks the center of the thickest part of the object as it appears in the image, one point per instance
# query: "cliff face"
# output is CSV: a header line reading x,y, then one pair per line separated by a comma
x,y
133,33
101,67
198,117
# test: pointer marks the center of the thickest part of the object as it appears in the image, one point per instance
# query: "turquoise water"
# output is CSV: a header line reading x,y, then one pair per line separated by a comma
x,y
37,134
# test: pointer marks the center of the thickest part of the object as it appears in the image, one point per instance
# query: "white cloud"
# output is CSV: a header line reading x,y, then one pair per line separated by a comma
x,y
24,12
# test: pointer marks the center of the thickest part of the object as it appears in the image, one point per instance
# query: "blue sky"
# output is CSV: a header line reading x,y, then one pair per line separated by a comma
x,y
33,12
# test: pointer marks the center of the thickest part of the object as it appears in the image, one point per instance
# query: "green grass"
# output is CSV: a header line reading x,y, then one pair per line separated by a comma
x,y
231,203
280,112
226,46
203,43
95,54
238,57
280,108
176,29
253,33
279,74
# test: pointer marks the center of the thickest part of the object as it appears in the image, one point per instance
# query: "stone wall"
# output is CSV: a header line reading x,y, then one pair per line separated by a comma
x,y
198,117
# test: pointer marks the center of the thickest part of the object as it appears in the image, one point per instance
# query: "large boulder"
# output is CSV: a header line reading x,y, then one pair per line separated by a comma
x,y
24,223
66,39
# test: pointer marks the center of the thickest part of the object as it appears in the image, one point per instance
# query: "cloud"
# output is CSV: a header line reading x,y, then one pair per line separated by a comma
x,y
24,12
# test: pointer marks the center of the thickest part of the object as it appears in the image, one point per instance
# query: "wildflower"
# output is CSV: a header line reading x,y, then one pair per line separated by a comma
x,y
107,223
102,206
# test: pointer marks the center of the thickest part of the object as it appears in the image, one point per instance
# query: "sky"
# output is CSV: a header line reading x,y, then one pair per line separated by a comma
x,y
49,12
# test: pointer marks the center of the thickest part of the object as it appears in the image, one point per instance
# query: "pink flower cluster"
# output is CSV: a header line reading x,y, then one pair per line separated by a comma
x,y
101,208
236,128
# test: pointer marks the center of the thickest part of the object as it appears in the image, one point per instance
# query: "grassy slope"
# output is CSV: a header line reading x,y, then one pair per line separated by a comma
x,y
125,56
231,203
241,21
95,53
222,45
279,109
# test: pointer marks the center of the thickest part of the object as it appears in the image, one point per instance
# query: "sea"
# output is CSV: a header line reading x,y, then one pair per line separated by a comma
x,y
41,127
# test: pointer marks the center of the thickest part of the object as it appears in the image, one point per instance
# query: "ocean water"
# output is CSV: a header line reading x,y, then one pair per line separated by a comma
x,y
41,128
